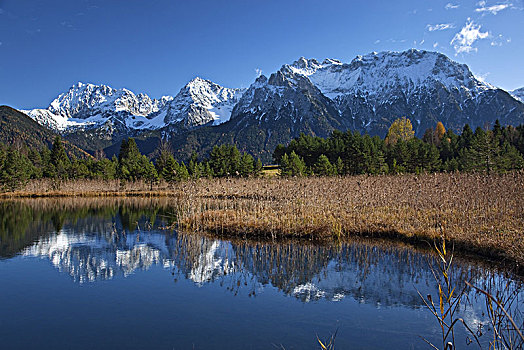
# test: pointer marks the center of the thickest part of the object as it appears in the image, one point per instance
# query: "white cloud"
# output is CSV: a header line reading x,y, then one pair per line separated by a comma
x,y
450,6
435,45
396,40
258,71
441,26
500,40
463,41
491,9
377,41
421,42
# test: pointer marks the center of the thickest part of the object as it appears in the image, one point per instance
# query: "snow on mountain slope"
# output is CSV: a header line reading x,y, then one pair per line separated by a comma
x,y
518,94
89,105
310,96
85,105
373,90
202,101
376,72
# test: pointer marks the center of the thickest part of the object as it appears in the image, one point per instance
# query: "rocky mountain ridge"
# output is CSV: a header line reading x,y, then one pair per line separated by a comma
x,y
366,94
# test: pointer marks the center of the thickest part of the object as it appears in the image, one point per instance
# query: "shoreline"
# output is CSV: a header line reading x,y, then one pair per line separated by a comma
x,y
478,214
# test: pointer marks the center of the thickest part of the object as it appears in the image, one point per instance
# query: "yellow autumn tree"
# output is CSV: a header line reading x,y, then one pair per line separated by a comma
x,y
440,130
400,129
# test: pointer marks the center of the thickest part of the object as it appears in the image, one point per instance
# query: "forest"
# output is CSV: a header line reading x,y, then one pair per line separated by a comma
x,y
500,149
20,164
349,153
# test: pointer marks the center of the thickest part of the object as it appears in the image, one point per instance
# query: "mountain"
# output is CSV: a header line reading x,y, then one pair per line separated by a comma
x,y
306,96
367,95
87,105
201,102
16,128
96,116
373,90
518,94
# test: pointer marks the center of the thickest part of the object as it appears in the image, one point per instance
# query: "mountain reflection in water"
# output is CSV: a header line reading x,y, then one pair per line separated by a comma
x,y
93,242
127,282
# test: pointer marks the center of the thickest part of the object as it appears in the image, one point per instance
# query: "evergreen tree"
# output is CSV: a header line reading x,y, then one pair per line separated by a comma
x,y
78,169
247,165
292,165
510,158
169,169
132,165
162,160
15,171
323,167
219,161
194,167
339,166
59,159
182,172
466,138
483,153
258,168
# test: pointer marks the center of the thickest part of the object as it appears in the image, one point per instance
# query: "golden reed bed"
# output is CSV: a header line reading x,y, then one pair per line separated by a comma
x,y
479,213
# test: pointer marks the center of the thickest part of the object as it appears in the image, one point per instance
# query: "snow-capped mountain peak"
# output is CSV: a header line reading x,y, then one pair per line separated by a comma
x,y
375,72
200,102
87,105
312,96
518,94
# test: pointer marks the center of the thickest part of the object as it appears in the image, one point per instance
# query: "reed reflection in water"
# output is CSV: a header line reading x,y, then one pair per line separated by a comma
x,y
93,240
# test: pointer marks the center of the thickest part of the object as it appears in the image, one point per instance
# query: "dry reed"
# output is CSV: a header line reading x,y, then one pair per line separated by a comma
x,y
480,213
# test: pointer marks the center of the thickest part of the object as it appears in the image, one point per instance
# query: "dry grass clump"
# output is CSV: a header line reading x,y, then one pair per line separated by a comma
x,y
477,212
89,188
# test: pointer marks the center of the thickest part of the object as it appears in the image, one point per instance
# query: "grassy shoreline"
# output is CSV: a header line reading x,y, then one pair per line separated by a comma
x,y
480,214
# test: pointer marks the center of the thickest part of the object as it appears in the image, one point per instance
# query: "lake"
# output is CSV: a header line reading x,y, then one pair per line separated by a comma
x,y
110,274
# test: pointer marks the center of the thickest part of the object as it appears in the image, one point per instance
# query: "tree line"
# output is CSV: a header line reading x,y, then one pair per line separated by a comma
x,y
350,153
19,164
343,153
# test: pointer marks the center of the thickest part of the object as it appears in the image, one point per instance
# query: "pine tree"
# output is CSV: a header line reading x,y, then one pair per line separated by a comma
x,y
162,160
59,159
16,170
168,171
510,158
182,172
339,166
323,166
219,161
247,165
483,153
258,168
132,165
293,165
194,167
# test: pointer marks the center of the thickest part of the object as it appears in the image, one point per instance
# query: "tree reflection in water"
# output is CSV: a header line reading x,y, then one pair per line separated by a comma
x,y
94,239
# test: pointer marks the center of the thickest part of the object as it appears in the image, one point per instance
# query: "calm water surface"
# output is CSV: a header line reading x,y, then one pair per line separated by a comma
x,y
106,274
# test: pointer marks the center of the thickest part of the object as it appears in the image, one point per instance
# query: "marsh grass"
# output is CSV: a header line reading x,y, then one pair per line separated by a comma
x,y
502,308
447,305
482,214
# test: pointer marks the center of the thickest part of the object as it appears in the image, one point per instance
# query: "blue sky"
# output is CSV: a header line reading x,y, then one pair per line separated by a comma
x,y
157,46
